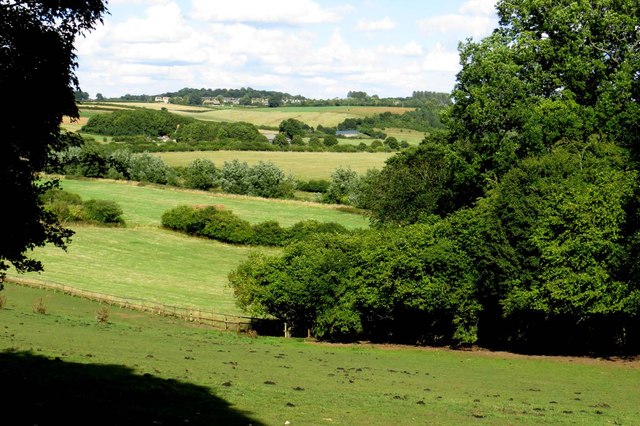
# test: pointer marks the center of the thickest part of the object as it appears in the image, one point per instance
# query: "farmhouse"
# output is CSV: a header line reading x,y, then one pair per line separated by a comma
x,y
164,99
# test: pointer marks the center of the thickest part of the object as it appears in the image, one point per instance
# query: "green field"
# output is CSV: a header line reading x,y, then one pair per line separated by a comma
x,y
302,165
271,117
63,367
143,261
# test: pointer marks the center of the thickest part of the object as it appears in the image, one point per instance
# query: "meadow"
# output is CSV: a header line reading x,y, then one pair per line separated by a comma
x,y
179,372
268,117
64,365
301,165
142,261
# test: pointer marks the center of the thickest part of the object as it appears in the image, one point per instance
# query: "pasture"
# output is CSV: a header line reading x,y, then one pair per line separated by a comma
x,y
144,262
302,165
269,117
64,365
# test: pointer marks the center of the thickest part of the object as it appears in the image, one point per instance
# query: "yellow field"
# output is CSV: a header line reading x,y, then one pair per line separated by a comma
x,y
302,165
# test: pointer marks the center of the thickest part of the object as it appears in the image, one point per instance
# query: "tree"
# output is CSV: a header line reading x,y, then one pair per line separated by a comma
x,y
552,71
420,181
330,140
37,56
281,140
200,174
292,127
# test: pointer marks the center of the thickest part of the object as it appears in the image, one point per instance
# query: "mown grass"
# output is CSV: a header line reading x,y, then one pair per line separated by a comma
x,y
302,165
267,380
145,204
143,261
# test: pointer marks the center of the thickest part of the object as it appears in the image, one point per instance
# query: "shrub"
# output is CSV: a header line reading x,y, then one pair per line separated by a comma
x,y
330,140
224,226
306,228
268,233
103,211
102,316
184,219
320,185
65,205
39,307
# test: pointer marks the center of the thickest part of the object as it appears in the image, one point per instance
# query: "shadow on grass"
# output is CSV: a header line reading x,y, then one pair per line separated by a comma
x,y
40,391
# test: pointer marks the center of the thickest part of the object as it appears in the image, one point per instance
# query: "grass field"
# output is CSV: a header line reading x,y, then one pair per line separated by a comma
x,y
271,117
143,261
302,165
65,366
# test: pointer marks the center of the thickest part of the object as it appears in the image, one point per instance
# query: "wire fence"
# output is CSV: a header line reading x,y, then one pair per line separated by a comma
x,y
193,314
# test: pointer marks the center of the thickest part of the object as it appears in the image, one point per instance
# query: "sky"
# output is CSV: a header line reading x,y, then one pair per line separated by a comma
x,y
320,49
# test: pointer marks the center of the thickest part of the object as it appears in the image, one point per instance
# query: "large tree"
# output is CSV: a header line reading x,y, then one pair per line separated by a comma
x,y
37,68
554,70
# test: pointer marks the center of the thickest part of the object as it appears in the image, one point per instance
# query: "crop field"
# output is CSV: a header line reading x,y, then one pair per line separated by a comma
x,y
180,373
302,165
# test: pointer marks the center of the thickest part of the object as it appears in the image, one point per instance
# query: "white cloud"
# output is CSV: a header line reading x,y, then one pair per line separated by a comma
x,y
475,26
475,18
478,7
385,24
259,11
411,49
441,59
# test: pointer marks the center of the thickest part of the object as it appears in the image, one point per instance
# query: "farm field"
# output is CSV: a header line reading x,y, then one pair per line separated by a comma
x,y
143,261
302,165
180,373
270,117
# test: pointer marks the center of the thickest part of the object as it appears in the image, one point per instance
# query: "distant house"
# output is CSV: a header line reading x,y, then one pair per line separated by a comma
x,y
347,133
164,99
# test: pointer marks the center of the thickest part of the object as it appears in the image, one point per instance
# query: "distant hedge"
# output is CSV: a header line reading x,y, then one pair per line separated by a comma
x,y
223,225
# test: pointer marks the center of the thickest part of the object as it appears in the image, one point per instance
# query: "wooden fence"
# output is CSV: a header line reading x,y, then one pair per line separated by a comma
x,y
198,315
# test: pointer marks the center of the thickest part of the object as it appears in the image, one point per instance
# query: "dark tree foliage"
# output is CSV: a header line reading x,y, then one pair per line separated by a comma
x,y
37,59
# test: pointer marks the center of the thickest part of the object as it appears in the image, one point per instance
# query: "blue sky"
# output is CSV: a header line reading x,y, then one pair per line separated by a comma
x,y
315,48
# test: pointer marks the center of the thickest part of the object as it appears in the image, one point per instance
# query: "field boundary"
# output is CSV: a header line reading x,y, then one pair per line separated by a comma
x,y
192,314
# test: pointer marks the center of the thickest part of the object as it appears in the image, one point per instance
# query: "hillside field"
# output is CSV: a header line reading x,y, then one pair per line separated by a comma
x,y
302,165
144,261
270,117
64,367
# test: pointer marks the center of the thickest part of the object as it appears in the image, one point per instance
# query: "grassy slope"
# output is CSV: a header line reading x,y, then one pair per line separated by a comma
x,y
145,262
302,165
205,374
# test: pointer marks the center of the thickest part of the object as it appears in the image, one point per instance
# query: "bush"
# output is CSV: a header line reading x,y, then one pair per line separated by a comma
x,y
306,228
103,211
184,219
226,227
268,233
200,174
320,185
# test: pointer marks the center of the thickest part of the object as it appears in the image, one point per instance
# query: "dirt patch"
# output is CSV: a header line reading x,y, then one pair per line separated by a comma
x,y
630,361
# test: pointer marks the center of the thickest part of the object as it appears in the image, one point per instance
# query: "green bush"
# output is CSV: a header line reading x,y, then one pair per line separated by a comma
x,y
226,227
103,211
268,233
